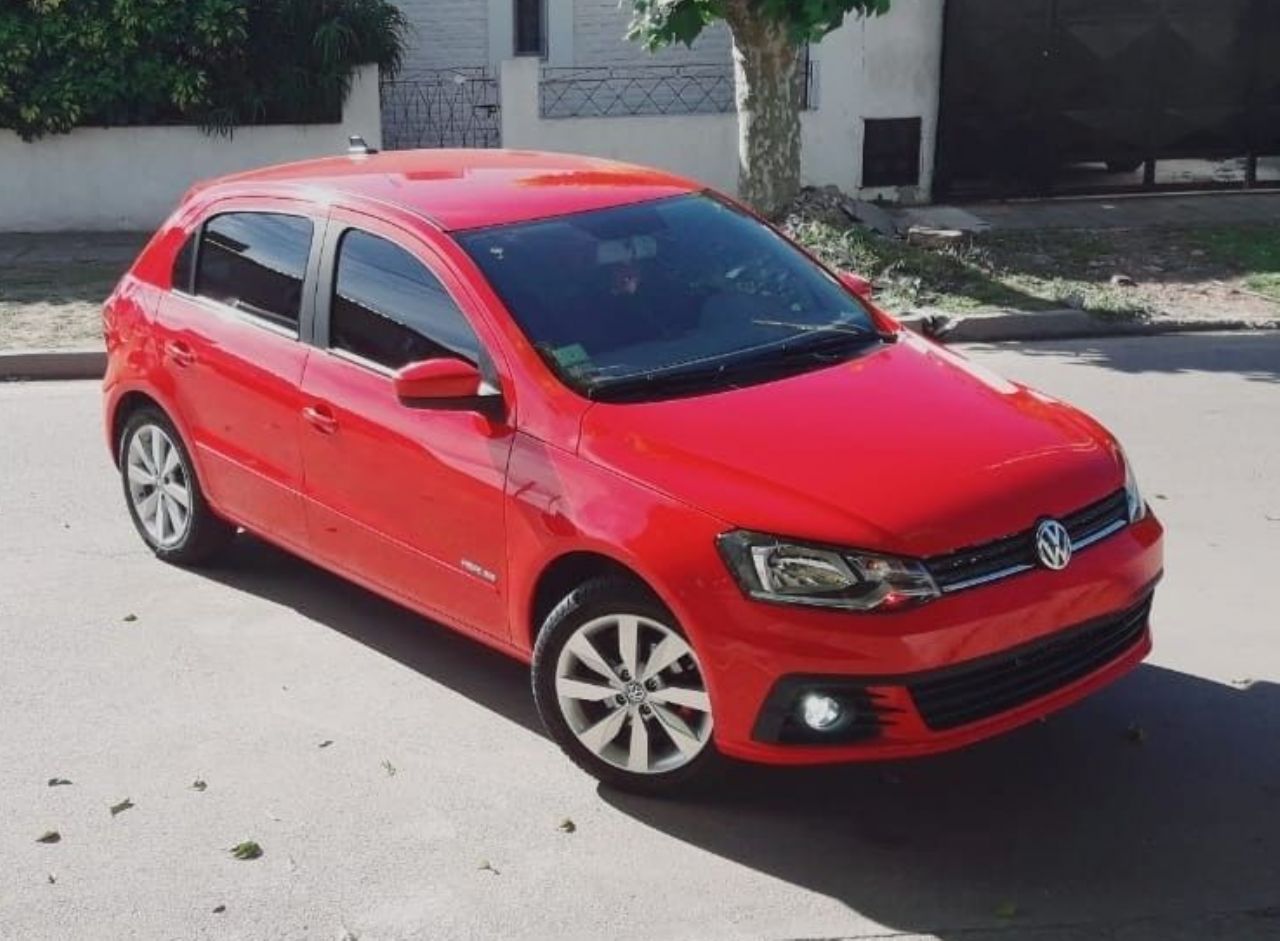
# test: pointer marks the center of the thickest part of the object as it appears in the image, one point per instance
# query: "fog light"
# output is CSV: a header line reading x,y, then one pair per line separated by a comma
x,y
820,712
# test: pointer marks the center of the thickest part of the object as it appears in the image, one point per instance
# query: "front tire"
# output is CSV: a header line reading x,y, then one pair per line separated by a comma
x,y
620,689
165,501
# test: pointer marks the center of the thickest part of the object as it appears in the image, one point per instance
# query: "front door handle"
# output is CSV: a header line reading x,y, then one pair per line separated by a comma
x,y
180,353
321,418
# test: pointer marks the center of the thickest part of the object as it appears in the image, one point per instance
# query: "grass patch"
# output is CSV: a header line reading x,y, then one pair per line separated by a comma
x,y
1252,251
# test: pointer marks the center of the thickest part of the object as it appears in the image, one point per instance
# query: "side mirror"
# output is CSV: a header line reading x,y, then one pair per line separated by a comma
x,y
856,285
445,384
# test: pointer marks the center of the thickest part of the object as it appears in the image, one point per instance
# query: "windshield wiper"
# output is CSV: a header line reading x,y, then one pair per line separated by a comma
x,y
827,346
850,329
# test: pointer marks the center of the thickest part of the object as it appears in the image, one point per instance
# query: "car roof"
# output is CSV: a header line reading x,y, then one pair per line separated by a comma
x,y
463,189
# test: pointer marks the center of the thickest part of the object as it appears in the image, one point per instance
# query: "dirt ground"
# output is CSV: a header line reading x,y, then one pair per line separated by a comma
x,y
1218,272
54,305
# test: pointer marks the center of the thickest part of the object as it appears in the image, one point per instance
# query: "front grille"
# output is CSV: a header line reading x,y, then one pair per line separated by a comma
x,y
997,684
977,565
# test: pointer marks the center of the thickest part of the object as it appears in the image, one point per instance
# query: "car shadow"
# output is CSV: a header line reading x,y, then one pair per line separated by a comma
x,y
1157,798
485,676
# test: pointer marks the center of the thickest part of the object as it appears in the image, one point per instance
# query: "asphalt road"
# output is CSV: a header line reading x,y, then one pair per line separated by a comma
x,y
399,786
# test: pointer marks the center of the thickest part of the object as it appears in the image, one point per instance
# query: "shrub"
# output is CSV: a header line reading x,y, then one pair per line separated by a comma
x,y
216,63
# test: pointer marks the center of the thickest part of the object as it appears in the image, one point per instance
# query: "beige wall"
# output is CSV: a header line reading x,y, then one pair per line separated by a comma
x,y
131,177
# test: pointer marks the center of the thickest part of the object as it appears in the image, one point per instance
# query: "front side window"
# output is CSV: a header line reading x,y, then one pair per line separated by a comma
x,y
670,297
389,309
256,262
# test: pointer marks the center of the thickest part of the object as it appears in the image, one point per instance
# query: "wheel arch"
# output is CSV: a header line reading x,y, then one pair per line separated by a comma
x,y
129,403
566,572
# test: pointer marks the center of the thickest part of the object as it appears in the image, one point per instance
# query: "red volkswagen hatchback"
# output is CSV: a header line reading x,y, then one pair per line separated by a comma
x,y
612,424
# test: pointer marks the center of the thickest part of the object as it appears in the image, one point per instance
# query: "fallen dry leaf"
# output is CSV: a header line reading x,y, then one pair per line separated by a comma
x,y
121,807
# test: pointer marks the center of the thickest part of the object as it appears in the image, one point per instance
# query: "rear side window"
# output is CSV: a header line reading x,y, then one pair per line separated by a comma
x,y
256,262
389,309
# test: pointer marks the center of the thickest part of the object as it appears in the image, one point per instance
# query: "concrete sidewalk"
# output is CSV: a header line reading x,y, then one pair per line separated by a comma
x,y
1116,212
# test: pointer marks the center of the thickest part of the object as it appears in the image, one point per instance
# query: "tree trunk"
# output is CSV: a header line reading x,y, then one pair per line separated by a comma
x,y
769,84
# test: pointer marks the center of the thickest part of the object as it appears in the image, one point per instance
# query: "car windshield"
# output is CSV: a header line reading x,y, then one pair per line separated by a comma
x,y
671,297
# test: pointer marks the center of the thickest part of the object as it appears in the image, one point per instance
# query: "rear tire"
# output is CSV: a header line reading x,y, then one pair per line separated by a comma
x,y
165,501
620,689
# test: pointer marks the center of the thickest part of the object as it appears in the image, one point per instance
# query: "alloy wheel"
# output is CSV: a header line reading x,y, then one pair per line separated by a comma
x,y
632,692
159,485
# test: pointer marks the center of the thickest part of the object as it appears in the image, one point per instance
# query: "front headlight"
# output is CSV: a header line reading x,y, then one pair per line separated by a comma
x,y
774,569
1137,505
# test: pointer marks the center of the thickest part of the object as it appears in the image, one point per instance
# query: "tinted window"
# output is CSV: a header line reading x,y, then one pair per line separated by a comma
x,y
256,262
388,308
184,263
660,297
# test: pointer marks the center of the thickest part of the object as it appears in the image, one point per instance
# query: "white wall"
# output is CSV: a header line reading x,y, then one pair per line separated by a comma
x,y
599,38
884,67
880,68
131,177
702,146
449,34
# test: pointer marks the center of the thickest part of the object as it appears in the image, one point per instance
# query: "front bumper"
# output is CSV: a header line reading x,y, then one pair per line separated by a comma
x,y
759,657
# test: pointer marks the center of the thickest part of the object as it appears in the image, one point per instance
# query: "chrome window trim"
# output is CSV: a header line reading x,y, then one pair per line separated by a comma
x,y
227,311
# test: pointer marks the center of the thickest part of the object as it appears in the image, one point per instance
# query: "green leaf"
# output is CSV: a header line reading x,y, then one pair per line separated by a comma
x,y
246,850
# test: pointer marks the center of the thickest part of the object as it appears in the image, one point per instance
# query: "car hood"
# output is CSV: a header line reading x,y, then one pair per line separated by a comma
x,y
909,449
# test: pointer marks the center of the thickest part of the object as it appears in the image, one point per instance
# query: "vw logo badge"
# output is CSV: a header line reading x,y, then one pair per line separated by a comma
x,y
1053,545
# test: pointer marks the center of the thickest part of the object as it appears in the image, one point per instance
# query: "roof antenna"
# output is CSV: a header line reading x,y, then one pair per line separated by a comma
x,y
356,145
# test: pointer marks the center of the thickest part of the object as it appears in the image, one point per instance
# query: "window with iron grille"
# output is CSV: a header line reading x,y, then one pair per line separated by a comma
x,y
531,27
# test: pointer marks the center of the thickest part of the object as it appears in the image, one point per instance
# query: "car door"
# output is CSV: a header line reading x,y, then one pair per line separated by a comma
x,y
230,344
407,499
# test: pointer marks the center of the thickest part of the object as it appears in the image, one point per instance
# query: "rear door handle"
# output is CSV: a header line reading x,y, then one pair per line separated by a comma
x,y
180,353
321,418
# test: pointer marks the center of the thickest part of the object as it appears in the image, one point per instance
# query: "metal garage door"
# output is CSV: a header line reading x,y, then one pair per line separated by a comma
x,y
1032,88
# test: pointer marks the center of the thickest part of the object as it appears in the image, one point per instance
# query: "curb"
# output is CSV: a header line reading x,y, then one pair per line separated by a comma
x,y
53,364
1066,324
